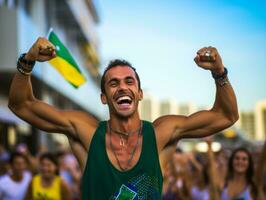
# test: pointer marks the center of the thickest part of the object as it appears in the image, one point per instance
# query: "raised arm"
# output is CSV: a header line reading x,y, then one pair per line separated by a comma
x,y
214,190
26,106
223,114
259,172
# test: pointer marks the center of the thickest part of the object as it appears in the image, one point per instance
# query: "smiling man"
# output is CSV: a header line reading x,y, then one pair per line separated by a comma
x,y
122,154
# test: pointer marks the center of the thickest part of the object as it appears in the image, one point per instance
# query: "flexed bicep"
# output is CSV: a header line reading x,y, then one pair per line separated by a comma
x,y
43,116
171,128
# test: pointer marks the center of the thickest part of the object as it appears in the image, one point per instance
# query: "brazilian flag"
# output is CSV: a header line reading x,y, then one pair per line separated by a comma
x,y
64,63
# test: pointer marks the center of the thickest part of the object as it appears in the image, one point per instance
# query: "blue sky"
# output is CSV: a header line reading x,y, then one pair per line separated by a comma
x,y
160,39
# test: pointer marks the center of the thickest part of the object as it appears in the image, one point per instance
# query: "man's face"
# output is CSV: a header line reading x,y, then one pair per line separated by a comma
x,y
121,91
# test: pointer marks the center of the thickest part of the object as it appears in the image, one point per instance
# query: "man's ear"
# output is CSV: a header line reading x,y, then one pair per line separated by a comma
x,y
103,98
140,95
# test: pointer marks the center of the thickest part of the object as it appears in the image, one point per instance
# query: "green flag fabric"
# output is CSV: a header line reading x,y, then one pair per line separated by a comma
x,y
64,63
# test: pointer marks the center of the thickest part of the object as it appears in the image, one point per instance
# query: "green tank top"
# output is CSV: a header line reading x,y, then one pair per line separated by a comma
x,y
102,181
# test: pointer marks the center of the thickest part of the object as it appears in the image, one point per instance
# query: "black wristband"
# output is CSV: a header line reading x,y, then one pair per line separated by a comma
x,y
221,79
28,65
27,62
222,76
22,70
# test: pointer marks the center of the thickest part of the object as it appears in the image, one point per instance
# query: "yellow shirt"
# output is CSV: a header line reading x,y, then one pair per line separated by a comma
x,y
42,193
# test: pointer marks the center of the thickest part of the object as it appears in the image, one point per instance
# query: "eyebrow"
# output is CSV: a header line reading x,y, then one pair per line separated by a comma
x,y
116,79
129,77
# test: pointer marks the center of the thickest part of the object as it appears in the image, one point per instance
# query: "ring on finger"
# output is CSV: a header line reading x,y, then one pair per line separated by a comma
x,y
208,53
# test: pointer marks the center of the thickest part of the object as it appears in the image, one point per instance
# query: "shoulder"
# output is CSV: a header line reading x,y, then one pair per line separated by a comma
x,y
167,129
63,184
36,177
81,117
169,120
84,125
168,124
27,174
4,179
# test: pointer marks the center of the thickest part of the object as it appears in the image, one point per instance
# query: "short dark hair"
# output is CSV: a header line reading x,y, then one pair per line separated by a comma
x,y
51,157
114,63
15,155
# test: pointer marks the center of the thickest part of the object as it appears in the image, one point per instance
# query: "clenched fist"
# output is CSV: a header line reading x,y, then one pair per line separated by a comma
x,y
209,58
42,50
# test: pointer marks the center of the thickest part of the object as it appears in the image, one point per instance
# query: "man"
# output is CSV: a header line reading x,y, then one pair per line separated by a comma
x,y
13,186
122,159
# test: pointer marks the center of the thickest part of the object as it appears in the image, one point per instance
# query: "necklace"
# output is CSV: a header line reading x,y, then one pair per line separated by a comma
x,y
124,133
121,134
132,153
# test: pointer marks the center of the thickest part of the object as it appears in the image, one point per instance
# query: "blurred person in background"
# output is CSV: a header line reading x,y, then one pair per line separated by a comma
x,y
207,186
124,142
70,171
33,162
200,182
48,184
260,173
168,182
167,167
239,183
221,167
13,185
4,158
176,177
4,154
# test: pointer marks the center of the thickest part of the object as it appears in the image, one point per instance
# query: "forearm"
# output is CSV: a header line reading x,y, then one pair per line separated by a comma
x,y
20,91
258,178
212,173
225,101
21,88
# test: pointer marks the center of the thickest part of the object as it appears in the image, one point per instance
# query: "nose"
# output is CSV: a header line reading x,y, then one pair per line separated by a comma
x,y
122,85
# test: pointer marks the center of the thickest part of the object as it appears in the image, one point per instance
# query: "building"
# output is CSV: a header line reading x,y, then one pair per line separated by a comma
x,y
149,108
247,124
22,22
260,120
168,107
186,109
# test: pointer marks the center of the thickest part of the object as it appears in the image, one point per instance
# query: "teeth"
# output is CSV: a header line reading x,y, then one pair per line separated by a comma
x,y
124,98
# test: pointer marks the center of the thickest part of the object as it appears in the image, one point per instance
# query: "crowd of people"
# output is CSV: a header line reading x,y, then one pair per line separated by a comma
x,y
224,175
236,174
46,176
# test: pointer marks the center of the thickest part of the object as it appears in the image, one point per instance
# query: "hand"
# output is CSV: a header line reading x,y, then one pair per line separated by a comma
x,y
42,50
212,62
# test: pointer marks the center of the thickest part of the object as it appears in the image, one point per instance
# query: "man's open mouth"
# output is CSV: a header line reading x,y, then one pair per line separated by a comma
x,y
124,100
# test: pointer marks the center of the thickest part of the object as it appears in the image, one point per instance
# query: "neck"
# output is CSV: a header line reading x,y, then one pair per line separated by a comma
x,y
239,177
17,177
125,124
47,180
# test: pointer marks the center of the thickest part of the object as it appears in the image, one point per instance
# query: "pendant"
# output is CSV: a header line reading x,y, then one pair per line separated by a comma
x,y
122,142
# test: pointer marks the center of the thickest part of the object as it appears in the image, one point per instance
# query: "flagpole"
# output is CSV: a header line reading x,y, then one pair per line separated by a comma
x,y
50,30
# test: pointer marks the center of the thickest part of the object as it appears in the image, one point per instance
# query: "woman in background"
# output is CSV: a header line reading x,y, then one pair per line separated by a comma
x,y
239,182
47,184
